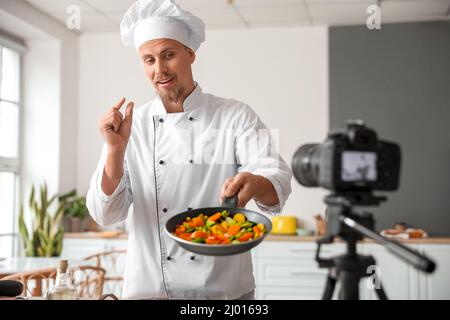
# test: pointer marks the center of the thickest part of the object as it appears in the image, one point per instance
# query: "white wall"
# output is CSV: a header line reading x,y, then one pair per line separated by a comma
x,y
282,73
50,108
40,148
107,72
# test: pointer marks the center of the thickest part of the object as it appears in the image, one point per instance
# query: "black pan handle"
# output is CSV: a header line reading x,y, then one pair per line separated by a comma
x,y
230,202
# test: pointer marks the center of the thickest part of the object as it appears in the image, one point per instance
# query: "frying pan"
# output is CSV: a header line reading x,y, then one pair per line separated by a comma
x,y
228,204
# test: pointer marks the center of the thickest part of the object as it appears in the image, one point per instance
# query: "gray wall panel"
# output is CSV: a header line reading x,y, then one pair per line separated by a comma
x,y
397,80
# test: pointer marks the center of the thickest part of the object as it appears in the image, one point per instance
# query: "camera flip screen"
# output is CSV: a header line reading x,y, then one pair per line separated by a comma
x,y
358,166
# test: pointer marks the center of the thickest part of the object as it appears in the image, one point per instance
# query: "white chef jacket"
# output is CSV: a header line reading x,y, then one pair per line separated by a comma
x,y
174,162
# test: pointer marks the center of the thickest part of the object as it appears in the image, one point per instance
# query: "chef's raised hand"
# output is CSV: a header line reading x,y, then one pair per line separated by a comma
x,y
249,186
115,127
116,130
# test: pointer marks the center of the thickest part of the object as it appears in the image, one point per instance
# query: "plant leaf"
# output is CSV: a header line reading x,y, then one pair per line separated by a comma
x,y
67,195
31,200
22,226
57,219
58,241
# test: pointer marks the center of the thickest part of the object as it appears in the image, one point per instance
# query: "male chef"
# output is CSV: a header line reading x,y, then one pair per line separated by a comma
x,y
185,149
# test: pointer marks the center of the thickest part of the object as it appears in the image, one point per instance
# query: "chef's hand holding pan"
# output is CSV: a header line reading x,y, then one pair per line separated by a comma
x,y
249,186
115,127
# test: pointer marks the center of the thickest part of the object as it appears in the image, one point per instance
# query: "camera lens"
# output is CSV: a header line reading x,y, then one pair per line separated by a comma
x,y
305,165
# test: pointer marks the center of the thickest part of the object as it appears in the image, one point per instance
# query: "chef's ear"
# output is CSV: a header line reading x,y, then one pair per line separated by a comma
x,y
191,54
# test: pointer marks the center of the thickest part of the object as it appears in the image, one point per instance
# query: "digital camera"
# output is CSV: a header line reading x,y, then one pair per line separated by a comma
x,y
350,160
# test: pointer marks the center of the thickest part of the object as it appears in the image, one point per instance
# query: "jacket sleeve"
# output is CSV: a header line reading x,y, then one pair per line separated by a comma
x,y
256,153
107,210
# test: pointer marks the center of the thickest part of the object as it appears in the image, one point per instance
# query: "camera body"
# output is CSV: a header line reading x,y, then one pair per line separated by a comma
x,y
350,160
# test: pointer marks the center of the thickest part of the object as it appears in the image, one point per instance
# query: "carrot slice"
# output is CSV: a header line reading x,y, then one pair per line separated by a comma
x,y
191,224
180,230
212,240
215,217
198,221
233,229
199,234
245,237
185,236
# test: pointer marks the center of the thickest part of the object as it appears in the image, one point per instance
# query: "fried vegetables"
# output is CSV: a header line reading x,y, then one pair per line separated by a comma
x,y
219,228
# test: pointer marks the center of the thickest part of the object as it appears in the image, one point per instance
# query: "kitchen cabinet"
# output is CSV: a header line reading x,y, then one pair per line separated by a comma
x,y
399,279
80,248
437,285
287,270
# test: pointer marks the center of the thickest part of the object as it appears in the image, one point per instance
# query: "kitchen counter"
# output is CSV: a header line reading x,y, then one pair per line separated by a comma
x,y
435,240
97,235
271,237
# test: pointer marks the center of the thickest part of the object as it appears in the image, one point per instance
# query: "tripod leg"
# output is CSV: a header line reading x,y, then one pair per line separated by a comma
x,y
329,287
350,285
379,290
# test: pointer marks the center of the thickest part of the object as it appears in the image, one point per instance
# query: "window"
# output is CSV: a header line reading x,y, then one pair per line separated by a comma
x,y
10,66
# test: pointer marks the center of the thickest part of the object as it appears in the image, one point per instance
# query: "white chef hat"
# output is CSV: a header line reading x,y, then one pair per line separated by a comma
x,y
154,19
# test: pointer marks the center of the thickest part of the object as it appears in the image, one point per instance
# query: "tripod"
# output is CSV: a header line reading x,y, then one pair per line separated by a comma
x,y
351,227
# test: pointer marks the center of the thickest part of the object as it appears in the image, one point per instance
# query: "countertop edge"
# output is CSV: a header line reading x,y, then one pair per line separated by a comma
x,y
276,238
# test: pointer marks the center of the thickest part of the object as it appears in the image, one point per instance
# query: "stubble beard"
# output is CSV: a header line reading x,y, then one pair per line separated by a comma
x,y
172,95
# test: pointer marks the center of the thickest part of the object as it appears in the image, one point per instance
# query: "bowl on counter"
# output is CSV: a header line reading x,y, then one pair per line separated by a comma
x,y
305,232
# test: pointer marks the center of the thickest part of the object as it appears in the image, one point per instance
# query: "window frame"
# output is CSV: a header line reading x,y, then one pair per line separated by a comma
x,y
12,165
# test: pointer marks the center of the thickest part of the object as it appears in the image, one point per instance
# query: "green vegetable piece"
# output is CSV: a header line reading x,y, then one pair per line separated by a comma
x,y
246,225
210,223
230,221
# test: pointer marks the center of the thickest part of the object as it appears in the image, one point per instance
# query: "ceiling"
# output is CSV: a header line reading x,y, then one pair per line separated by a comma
x,y
105,15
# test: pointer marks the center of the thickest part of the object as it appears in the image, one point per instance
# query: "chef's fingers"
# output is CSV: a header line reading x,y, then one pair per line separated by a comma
x,y
119,105
117,117
244,196
225,185
234,187
115,123
105,123
117,113
129,112
113,120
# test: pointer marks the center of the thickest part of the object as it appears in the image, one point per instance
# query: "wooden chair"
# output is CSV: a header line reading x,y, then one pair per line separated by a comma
x,y
88,281
35,283
114,263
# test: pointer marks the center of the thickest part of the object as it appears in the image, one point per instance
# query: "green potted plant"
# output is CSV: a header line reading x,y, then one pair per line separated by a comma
x,y
75,210
45,237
